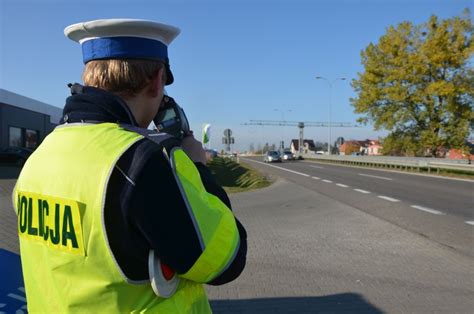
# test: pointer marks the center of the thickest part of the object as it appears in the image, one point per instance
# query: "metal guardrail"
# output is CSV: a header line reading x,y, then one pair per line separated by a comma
x,y
407,163
462,167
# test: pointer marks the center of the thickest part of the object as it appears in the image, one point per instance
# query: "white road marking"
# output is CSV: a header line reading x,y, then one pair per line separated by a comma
x,y
281,168
470,222
318,167
17,297
316,178
388,198
428,210
342,185
362,191
327,181
377,177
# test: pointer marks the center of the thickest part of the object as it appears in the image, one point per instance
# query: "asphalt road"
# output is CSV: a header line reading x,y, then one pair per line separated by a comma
x,y
310,253
441,209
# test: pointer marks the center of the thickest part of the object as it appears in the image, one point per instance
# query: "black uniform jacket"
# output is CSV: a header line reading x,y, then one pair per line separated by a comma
x,y
144,208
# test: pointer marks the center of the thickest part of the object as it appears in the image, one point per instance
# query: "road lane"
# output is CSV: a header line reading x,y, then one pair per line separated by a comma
x,y
449,229
376,177
450,196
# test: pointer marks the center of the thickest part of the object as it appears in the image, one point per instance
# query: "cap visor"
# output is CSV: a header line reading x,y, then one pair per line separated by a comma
x,y
169,75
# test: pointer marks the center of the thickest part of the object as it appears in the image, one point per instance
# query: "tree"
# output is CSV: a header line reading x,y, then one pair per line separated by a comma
x,y
352,147
400,144
418,83
251,148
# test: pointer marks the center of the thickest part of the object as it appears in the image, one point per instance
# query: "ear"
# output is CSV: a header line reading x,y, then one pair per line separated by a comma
x,y
156,84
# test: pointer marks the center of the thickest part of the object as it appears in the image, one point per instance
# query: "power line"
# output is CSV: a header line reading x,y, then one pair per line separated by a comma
x,y
301,125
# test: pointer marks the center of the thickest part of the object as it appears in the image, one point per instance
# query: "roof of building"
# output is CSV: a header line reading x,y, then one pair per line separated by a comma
x,y
364,143
309,142
352,142
19,101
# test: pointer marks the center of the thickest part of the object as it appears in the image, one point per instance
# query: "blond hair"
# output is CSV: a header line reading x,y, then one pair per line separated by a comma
x,y
126,77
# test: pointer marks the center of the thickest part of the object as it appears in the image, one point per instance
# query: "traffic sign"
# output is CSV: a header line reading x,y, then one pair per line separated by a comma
x,y
227,132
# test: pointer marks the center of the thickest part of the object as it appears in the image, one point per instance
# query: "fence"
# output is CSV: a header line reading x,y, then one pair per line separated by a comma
x,y
404,163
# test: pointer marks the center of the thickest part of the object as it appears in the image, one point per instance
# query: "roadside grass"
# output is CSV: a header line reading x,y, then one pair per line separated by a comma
x,y
237,177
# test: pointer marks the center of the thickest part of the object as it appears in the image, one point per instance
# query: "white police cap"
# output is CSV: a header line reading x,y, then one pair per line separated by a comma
x,y
124,39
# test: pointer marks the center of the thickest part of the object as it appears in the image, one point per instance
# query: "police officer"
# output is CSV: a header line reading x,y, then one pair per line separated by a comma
x,y
113,217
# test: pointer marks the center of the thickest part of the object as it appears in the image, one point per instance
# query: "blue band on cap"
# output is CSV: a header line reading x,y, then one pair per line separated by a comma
x,y
123,47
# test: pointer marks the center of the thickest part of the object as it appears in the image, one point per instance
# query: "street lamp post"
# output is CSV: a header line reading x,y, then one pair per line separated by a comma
x,y
330,100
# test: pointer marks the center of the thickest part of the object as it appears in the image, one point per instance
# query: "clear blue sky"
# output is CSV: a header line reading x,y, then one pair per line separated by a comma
x,y
234,60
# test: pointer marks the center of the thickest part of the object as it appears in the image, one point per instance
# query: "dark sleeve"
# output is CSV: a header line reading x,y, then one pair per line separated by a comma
x,y
238,265
159,214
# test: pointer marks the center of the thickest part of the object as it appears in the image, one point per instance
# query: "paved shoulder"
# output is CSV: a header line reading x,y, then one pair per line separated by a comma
x,y
310,253
8,220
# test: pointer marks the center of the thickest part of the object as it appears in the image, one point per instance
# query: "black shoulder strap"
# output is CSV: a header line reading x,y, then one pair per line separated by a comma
x,y
164,140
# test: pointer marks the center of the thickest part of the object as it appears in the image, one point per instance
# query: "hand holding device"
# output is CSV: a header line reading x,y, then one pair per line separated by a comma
x,y
193,148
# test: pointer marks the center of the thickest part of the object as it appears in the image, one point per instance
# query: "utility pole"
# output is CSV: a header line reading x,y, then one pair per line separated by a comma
x,y
330,100
282,143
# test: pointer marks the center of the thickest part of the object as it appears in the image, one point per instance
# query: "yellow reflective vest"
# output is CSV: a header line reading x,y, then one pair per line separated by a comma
x,y
67,263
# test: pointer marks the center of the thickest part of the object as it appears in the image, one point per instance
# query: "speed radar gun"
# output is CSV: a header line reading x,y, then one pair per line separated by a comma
x,y
171,119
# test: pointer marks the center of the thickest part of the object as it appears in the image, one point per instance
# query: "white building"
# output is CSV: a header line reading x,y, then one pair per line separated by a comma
x,y
25,122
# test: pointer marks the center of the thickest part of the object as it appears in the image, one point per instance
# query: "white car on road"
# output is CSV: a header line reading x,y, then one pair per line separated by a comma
x,y
272,156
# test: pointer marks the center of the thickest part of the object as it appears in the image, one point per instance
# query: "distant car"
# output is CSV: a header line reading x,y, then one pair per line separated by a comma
x,y
320,152
288,155
272,156
14,155
211,153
